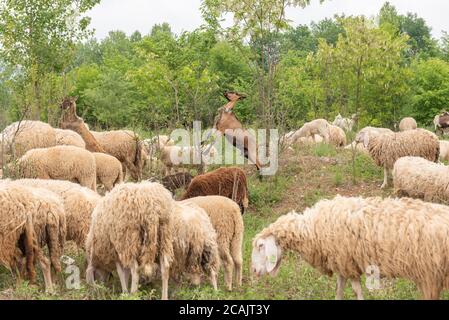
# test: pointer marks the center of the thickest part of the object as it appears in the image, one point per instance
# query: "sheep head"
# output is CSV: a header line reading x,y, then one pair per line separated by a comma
x,y
266,256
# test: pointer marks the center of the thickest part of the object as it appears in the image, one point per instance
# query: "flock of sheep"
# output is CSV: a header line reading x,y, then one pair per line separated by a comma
x,y
140,231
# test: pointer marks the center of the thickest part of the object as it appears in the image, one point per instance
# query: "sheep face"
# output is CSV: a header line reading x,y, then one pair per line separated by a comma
x,y
266,257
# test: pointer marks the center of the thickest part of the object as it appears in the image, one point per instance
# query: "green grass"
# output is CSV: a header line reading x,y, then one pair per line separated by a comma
x,y
302,181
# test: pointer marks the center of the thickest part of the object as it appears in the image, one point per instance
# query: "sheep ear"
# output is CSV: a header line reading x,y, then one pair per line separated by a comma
x,y
271,254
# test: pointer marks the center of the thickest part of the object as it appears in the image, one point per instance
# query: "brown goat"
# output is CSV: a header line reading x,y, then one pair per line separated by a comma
x,y
228,182
71,121
240,138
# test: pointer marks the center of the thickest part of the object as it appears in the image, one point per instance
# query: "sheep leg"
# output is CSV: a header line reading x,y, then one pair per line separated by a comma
x,y
165,274
213,280
123,274
46,270
228,266
430,293
341,283
385,184
357,288
90,274
134,277
236,253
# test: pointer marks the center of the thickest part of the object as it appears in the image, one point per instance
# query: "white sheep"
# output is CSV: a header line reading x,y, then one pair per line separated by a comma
x,y
47,217
319,126
228,223
21,136
408,124
404,238
131,231
345,123
109,170
69,138
337,136
357,146
386,148
60,163
195,244
419,178
79,203
175,157
156,143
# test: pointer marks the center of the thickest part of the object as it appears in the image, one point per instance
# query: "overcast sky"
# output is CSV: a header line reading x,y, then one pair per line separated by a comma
x,y
184,15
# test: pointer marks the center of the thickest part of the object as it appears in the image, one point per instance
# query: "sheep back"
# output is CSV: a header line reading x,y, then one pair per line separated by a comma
x,y
228,182
69,138
404,238
132,223
419,178
26,135
386,148
60,163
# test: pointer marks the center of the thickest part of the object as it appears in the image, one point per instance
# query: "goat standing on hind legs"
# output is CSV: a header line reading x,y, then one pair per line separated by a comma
x,y
227,123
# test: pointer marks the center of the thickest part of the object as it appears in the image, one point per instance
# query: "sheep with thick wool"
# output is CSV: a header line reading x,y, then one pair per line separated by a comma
x,y
227,221
337,136
419,178
22,136
48,224
69,138
386,148
109,170
229,182
79,203
195,244
60,163
16,227
404,238
408,124
126,146
319,126
131,231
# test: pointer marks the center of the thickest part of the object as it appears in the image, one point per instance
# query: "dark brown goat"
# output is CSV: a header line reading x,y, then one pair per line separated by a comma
x,y
228,182
177,181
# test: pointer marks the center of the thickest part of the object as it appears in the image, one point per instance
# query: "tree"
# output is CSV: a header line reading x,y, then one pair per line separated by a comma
x,y
363,74
420,39
431,89
328,29
260,22
299,39
445,46
38,37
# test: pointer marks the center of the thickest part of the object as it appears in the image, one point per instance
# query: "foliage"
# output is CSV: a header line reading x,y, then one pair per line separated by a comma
x,y
431,87
382,69
37,38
